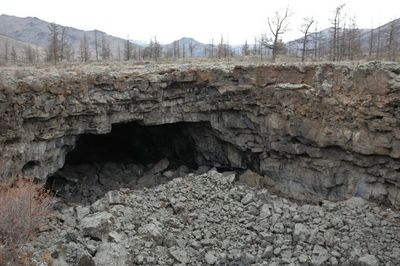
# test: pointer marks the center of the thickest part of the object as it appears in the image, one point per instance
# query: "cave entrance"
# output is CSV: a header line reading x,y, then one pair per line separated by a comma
x,y
131,155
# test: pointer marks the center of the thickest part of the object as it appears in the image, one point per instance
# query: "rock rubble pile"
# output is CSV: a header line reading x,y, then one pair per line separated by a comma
x,y
211,219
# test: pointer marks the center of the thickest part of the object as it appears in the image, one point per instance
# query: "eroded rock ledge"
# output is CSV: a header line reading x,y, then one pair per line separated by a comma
x,y
312,131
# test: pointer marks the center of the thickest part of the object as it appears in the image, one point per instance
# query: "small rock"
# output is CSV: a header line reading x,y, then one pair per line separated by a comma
x,y
210,258
202,169
153,231
268,251
265,211
250,178
320,256
81,212
303,258
96,225
160,166
169,174
355,202
115,237
114,197
300,232
247,258
179,254
368,260
247,198
278,228
181,171
333,261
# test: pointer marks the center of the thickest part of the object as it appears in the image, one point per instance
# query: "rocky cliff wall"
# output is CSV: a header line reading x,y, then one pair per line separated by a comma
x,y
312,131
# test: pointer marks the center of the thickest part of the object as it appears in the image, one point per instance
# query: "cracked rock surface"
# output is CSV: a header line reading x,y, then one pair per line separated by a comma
x,y
321,131
210,219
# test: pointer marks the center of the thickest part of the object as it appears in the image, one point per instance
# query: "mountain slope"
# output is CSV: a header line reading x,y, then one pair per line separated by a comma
x,y
36,31
380,35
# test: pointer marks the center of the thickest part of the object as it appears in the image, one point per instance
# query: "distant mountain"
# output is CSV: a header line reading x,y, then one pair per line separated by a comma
x,y
199,49
35,31
188,44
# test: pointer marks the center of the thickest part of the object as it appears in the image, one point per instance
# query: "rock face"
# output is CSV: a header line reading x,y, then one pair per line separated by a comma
x,y
311,131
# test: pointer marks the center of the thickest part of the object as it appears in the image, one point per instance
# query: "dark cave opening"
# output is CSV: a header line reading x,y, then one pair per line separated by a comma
x,y
134,156
132,142
131,155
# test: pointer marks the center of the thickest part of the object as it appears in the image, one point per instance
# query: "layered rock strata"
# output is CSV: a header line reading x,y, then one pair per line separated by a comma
x,y
312,131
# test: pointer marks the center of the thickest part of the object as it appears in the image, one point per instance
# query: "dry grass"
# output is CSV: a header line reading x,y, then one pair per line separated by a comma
x,y
24,206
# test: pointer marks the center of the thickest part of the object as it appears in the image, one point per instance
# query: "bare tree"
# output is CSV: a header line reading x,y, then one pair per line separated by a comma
x,y
317,50
119,52
353,40
392,42
378,44
157,49
305,30
335,33
127,50
245,49
84,48
277,26
96,45
211,48
192,46
224,49
54,43
177,49
6,51
64,46
105,48
13,55
255,47
371,42
30,55
220,49
183,50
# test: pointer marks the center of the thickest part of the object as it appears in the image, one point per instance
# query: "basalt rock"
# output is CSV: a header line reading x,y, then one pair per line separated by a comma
x,y
312,131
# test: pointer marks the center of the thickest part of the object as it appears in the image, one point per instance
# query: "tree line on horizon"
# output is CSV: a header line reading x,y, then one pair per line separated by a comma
x,y
344,41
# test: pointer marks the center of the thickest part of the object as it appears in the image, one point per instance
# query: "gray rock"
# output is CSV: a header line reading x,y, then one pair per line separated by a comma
x,y
114,197
247,198
160,166
355,202
278,228
265,211
368,260
179,254
210,258
250,178
152,231
320,255
111,254
268,251
169,174
181,171
247,258
96,225
300,232
115,237
81,212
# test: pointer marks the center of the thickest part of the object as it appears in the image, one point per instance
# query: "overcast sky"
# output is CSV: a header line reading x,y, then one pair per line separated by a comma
x,y
169,20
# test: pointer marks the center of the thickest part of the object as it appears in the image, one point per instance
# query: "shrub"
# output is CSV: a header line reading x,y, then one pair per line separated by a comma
x,y
24,206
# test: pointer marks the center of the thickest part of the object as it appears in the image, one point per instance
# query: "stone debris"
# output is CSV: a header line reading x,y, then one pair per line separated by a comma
x,y
209,219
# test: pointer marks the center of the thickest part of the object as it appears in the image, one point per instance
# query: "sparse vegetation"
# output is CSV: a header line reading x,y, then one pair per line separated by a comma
x,y
24,206
343,41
